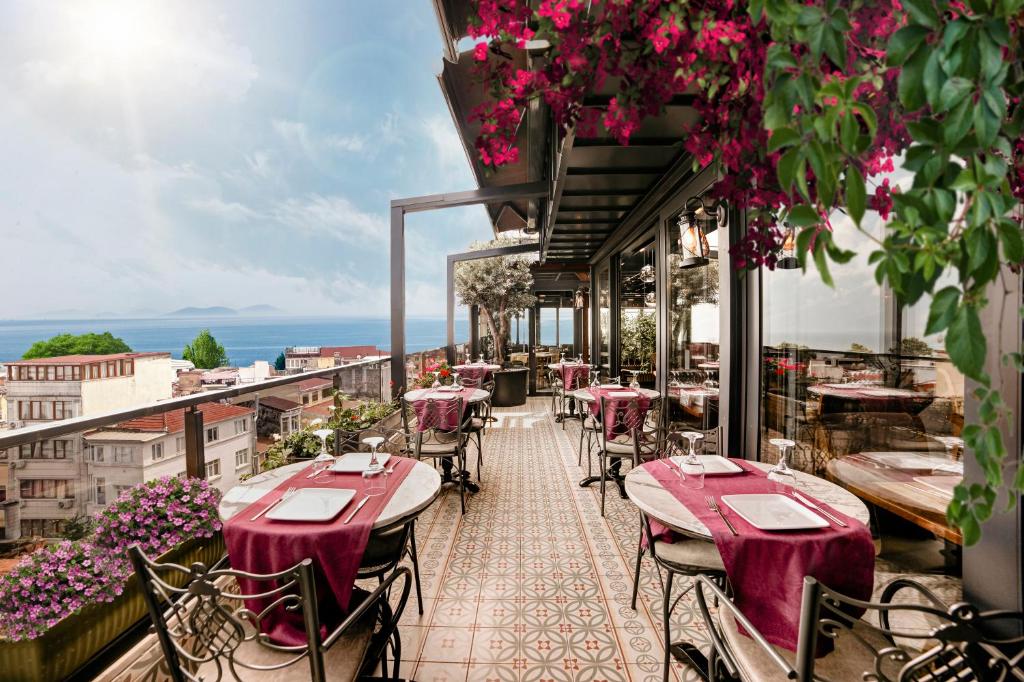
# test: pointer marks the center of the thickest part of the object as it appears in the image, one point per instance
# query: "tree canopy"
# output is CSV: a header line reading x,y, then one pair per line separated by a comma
x,y
280,363
204,352
77,344
499,286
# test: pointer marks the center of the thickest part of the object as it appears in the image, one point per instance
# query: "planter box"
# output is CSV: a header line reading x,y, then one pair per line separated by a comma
x,y
70,644
348,441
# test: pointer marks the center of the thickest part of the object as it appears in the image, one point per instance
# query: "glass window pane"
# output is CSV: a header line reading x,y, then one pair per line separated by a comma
x,y
638,319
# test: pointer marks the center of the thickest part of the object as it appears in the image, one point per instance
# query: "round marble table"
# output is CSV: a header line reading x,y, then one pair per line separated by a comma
x,y
478,395
418,490
584,396
486,369
662,506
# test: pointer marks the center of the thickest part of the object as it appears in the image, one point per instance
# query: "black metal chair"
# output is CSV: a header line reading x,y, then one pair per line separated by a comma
x,y
207,633
475,423
892,642
624,419
434,437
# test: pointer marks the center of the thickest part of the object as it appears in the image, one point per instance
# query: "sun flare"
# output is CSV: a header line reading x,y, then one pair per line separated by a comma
x,y
119,30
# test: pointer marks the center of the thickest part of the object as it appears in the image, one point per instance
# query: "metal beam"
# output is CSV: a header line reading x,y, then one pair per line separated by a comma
x,y
454,258
484,195
615,170
557,188
398,378
603,193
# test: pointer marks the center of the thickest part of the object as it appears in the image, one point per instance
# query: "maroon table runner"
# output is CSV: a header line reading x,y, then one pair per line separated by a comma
x,y
767,569
446,417
612,426
481,372
336,548
570,373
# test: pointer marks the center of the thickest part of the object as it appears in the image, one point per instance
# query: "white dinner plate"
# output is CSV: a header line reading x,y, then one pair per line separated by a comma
x,y
772,511
356,462
610,386
623,394
449,389
312,504
714,465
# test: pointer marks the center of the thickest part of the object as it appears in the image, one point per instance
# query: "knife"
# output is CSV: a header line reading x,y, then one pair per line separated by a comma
x,y
356,510
830,516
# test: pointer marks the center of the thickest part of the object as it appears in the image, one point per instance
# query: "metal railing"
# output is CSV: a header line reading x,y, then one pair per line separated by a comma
x,y
194,459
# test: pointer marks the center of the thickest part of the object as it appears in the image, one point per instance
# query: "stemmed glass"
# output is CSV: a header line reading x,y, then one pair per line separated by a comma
x,y
781,474
691,467
634,384
374,470
324,460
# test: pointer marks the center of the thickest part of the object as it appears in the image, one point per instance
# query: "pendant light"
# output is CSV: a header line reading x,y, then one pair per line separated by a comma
x,y
692,241
647,274
580,299
788,259
650,300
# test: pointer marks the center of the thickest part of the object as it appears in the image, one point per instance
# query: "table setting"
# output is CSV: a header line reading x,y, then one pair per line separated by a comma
x,y
480,370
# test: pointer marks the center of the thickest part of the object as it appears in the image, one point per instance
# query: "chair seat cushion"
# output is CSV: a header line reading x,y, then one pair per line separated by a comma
x,y
473,425
624,448
851,660
591,423
436,449
342,661
686,552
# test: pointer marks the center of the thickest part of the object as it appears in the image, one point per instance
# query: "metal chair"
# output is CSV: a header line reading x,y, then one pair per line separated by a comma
x,y
435,438
475,423
624,420
956,643
206,631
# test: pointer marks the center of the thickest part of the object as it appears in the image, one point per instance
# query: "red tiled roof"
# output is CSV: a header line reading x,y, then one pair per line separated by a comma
x,y
85,359
349,351
280,404
310,384
174,421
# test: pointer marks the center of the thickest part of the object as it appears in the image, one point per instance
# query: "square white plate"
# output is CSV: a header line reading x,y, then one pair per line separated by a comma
x,y
312,504
623,394
610,386
772,511
714,465
356,462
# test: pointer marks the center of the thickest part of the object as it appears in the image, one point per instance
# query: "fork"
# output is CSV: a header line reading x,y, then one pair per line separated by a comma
x,y
713,506
287,493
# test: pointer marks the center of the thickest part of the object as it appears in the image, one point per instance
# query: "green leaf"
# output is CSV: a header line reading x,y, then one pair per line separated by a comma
x,y
756,11
922,12
934,79
786,168
856,195
782,137
803,215
911,82
965,341
779,56
957,123
1012,239
822,263
953,92
849,131
943,308
904,42
986,123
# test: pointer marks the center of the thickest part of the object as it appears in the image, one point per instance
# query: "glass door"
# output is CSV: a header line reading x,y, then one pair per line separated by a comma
x,y
638,318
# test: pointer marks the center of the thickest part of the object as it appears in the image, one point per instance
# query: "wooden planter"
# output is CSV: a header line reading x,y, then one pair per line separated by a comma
x,y
71,643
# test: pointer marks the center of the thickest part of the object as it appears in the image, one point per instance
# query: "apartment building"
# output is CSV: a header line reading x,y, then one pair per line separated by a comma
x,y
46,482
302,358
128,453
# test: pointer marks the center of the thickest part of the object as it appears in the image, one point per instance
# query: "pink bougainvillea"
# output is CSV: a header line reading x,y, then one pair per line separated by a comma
x,y
646,54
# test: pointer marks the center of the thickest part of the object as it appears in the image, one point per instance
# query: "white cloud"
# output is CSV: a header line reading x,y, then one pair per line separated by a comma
x,y
232,211
259,164
346,143
447,144
292,132
333,216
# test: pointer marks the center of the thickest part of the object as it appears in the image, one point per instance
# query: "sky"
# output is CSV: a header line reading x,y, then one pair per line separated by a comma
x,y
158,155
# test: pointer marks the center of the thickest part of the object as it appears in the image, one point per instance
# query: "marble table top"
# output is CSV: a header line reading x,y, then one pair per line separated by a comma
x,y
476,396
477,365
647,494
586,396
418,490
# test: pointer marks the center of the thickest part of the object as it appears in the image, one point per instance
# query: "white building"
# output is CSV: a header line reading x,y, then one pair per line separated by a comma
x,y
142,449
47,481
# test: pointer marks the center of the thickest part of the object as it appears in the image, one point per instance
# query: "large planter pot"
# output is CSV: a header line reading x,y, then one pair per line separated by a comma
x,y
71,643
510,387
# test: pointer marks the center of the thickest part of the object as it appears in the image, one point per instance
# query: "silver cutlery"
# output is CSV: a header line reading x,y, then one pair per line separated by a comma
x,y
287,493
713,506
830,516
356,510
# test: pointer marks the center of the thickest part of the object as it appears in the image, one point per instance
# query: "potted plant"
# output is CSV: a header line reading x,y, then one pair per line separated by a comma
x,y
64,603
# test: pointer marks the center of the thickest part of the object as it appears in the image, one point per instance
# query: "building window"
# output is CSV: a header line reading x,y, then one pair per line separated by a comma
x,y
47,528
295,423
179,444
242,458
62,448
157,451
119,489
305,399
212,434
46,489
182,474
76,373
124,454
241,426
101,490
213,469
97,453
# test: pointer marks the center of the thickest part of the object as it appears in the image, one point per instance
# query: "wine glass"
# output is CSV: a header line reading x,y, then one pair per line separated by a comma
x,y
781,474
635,383
691,467
374,470
324,460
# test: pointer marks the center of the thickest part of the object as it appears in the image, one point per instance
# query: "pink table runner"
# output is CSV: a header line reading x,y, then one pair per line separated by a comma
x,y
614,427
444,415
265,546
767,569
572,373
480,372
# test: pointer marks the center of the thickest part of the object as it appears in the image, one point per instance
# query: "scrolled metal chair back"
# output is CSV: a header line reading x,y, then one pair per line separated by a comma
x,y
623,417
204,623
471,382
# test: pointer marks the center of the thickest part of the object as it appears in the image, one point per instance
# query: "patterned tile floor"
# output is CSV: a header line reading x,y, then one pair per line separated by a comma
x,y
532,584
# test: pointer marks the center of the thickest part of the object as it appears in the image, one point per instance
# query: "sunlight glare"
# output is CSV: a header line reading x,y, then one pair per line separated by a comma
x,y
119,30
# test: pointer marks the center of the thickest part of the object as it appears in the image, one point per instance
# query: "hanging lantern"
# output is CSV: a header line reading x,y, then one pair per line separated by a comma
x,y
580,299
647,274
788,259
650,300
692,240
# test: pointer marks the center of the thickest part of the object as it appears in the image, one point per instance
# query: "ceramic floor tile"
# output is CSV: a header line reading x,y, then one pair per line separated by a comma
x,y
429,671
447,645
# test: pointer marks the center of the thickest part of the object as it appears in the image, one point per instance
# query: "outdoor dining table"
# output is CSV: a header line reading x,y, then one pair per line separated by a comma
x,y
662,506
584,396
844,398
470,397
477,370
338,546
572,373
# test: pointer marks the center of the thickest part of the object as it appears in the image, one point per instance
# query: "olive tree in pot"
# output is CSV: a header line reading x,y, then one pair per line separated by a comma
x,y
499,286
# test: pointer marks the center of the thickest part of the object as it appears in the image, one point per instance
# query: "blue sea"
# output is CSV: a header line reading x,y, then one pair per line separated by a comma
x,y
246,339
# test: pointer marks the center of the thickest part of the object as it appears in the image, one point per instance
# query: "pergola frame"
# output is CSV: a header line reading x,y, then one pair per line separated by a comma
x,y
433,202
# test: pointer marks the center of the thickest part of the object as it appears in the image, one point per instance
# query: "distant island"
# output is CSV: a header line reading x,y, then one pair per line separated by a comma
x,y
223,311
